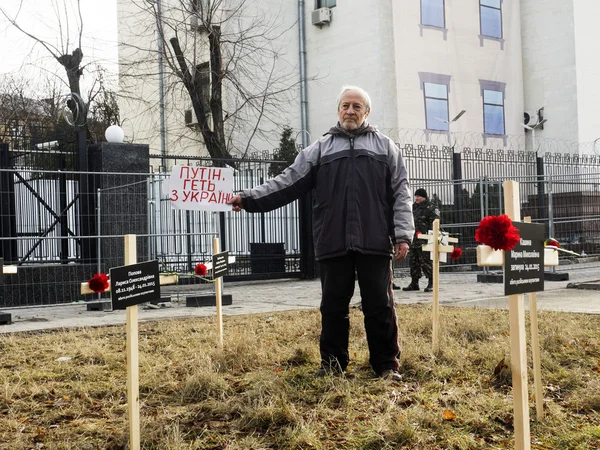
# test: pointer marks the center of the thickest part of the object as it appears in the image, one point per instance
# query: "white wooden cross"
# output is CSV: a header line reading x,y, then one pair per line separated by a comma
x,y
436,247
487,256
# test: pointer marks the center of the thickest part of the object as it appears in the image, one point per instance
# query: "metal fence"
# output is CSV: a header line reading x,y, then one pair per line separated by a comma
x,y
58,244
61,226
267,245
568,206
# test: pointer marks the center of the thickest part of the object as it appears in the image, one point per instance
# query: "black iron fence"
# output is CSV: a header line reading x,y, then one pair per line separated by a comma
x,y
61,226
57,243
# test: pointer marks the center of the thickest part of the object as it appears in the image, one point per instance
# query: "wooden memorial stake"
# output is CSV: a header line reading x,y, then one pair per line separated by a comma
x,y
133,381
535,353
133,396
132,350
218,295
518,349
486,256
436,286
435,247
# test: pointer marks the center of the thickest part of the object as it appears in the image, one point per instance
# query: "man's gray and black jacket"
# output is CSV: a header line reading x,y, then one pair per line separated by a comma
x,y
361,196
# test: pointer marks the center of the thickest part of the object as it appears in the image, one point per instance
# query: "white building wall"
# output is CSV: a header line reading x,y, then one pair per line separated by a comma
x,y
356,49
138,97
549,66
460,53
281,21
547,58
587,55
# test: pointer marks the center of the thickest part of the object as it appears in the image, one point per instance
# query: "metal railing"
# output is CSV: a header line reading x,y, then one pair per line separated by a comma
x,y
61,226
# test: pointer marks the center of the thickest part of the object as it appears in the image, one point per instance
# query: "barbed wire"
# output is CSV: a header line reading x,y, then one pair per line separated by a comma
x,y
477,140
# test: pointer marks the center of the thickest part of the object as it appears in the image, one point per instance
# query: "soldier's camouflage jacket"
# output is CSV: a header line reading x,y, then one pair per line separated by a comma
x,y
424,214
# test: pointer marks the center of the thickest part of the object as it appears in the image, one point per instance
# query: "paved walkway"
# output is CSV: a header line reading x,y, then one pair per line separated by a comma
x,y
457,289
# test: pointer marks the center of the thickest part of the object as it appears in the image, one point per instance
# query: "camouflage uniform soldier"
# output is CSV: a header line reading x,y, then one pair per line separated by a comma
x,y
424,213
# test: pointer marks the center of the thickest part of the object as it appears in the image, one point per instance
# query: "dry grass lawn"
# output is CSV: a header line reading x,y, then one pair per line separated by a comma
x,y
259,392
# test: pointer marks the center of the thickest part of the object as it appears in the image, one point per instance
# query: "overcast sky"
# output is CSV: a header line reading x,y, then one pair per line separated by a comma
x,y
20,54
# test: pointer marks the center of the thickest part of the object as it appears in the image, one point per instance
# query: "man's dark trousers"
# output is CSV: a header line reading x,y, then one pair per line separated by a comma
x,y
374,279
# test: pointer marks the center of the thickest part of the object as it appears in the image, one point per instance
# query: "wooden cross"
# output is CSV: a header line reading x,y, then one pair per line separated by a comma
x,y
486,256
133,397
436,246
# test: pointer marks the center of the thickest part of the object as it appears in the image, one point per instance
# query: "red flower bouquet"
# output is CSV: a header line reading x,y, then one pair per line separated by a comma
x,y
498,232
200,270
98,283
456,253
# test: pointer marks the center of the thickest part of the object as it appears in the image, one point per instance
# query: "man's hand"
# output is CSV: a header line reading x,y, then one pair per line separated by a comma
x,y
400,251
236,203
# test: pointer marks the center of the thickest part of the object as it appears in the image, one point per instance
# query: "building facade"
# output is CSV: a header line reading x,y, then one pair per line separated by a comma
x,y
561,67
424,62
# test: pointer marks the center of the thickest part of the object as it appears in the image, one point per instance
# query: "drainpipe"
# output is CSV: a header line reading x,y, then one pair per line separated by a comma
x,y
303,96
161,93
307,259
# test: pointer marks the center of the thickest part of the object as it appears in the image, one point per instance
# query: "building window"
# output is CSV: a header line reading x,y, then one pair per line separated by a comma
x,y
436,89
490,12
493,112
324,4
436,106
432,13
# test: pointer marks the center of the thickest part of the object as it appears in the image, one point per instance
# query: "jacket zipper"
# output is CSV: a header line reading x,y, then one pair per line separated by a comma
x,y
351,198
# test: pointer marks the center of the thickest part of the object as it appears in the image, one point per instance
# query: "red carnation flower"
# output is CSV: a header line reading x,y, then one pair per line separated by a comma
x,y
98,283
200,270
456,253
418,233
498,232
552,243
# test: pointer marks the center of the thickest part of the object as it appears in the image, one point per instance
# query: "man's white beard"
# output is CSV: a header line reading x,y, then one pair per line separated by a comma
x,y
350,125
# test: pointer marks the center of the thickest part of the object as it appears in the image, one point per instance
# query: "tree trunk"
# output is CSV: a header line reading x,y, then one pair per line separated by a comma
x,y
216,97
72,65
214,139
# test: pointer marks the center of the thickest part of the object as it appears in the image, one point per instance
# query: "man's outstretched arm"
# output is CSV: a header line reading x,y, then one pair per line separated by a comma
x,y
295,181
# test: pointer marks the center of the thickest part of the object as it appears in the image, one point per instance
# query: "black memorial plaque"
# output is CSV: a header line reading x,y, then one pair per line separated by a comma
x,y
220,264
134,284
1,270
524,264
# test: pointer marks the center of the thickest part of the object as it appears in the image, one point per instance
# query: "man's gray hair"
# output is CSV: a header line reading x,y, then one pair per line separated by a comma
x,y
359,91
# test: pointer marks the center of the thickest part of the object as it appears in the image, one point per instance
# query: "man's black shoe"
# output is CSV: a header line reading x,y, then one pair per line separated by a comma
x,y
322,372
429,287
411,287
391,375
395,287
326,372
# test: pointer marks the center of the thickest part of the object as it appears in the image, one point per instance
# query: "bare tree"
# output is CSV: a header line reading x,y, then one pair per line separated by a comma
x,y
39,113
68,53
225,55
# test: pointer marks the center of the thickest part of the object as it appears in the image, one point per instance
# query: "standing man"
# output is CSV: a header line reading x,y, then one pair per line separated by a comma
x,y
424,213
361,217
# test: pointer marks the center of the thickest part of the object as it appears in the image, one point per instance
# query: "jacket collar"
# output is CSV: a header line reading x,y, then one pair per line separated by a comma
x,y
363,129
